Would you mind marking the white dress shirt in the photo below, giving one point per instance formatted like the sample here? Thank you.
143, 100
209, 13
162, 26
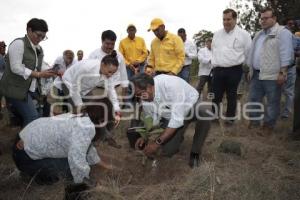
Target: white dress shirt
173, 99
190, 52
16, 51
230, 49
62, 65
83, 77
120, 77
204, 57
63, 136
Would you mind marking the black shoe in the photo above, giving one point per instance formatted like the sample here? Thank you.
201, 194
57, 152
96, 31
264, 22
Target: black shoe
194, 160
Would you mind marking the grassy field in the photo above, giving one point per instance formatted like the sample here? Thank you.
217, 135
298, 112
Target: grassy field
267, 169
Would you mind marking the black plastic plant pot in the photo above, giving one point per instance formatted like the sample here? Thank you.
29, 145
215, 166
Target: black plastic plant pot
132, 136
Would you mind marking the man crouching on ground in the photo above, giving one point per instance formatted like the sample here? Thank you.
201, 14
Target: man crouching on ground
172, 100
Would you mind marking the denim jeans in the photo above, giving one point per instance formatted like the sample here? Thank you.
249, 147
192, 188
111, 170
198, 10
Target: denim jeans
272, 91
130, 74
185, 73
289, 91
25, 108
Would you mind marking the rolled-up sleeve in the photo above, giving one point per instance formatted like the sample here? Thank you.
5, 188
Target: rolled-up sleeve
286, 47
16, 51
112, 95
92, 156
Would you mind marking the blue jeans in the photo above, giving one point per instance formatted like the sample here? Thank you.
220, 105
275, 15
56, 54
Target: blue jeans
272, 91
185, 73
130, 74
25, 108
289, 91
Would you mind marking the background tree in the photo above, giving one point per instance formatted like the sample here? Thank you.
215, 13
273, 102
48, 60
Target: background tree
248, 11
201, 36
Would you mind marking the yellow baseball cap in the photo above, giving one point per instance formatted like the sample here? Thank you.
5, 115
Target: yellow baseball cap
155, 23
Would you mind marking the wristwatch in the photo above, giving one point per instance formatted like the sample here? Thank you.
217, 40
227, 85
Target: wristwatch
158, 141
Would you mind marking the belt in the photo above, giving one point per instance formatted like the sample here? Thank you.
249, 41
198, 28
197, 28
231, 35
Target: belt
240, 65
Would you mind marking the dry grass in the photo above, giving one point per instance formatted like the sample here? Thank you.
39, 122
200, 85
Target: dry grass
268, 169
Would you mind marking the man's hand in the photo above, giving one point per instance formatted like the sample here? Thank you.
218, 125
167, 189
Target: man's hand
281, 78
139, 144
151, 148
117, 120
131, 67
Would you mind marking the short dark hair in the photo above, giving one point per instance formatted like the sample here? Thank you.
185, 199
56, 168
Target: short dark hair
98, 114
37, 25
142, 81
266, 9
111, 59
181, 30
109, 35
233, 13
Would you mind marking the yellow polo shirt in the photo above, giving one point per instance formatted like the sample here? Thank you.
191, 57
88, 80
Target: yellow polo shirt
167, 55
133, 50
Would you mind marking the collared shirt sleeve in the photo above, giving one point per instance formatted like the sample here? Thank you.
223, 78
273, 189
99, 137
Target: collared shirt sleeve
204, 57
286, 47
179, 106
180, 53
92, 156
112, 95
16, 51
71, 80
191, 50
248, 42
77, 156
151, 60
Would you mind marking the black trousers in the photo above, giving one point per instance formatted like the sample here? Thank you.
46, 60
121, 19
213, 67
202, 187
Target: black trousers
226, 79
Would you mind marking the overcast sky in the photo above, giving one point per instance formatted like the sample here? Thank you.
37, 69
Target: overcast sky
78, 24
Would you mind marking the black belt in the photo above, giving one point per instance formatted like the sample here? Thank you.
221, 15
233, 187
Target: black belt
240, 65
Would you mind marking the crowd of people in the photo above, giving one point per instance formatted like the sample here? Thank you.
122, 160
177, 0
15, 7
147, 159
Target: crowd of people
64, 108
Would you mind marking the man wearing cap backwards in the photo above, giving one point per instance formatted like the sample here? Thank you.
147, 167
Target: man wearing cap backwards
167, 50
134, 50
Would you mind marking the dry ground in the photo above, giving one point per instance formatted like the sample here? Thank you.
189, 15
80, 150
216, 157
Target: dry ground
269, 169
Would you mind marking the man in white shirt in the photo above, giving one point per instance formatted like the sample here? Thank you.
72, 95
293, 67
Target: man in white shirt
205, 67
172, 100
190, 54
108, 39
65, 61
230, 46
79, 55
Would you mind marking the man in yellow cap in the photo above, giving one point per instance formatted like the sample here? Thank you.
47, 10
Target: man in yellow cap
134, 50
167, 50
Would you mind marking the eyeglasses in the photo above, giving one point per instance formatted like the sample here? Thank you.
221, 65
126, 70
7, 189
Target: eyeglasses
41, 36
265, 18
